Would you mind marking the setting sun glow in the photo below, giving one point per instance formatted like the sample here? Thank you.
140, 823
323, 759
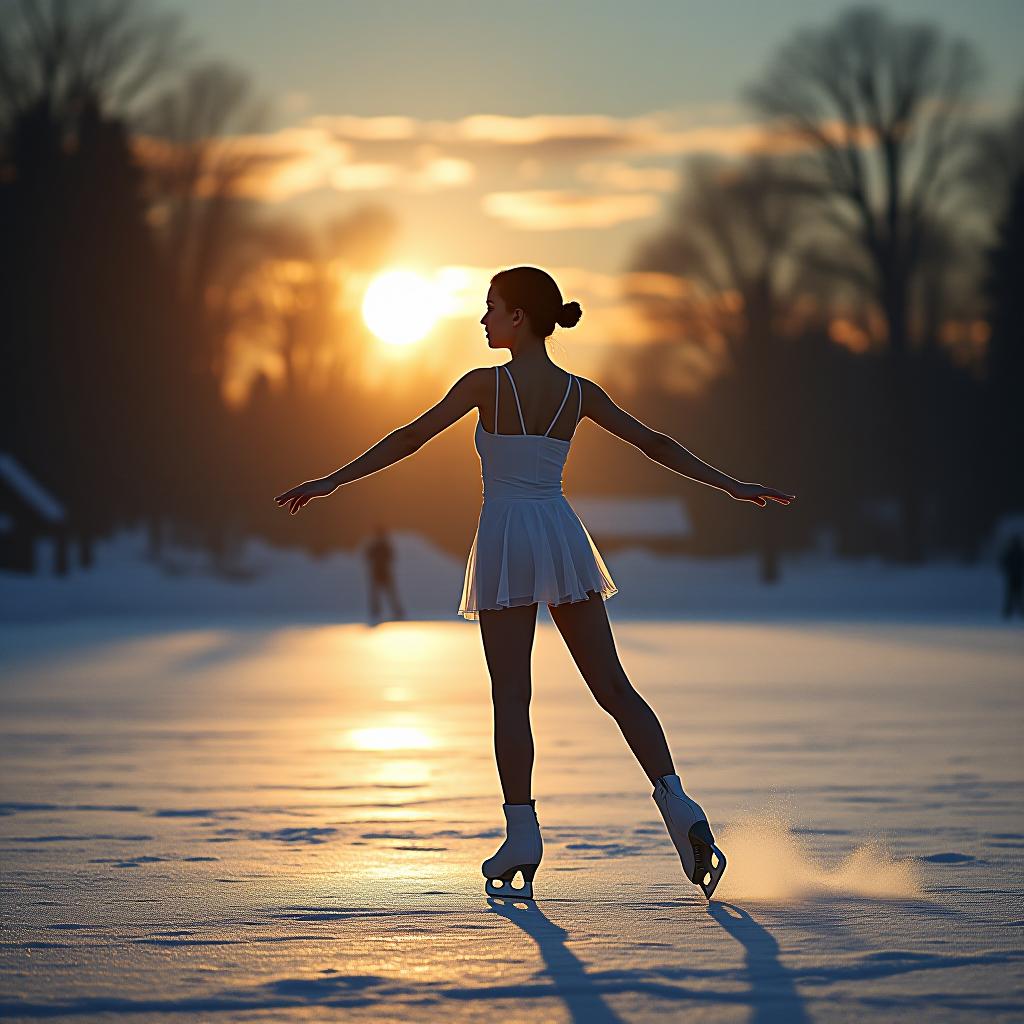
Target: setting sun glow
400, 306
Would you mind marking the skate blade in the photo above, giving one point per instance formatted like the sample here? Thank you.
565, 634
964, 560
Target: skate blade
710, 879
709, 861
501, 885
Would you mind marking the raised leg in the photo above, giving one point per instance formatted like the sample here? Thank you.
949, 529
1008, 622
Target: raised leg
588, 635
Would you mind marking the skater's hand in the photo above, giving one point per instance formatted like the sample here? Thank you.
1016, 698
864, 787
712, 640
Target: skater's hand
304, 493
758, 492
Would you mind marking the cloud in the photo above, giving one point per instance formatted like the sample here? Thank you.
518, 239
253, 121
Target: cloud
349, 153
616, 174
554, 137
552, 131
552, 210
358, 177
434, 174
438, 172
272, 167
347, 127
277, 166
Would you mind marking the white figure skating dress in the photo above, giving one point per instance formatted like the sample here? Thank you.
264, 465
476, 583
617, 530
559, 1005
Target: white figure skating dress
530, 546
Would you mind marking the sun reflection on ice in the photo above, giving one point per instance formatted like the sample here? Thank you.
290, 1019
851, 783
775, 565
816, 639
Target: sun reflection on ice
399, 773
388, 737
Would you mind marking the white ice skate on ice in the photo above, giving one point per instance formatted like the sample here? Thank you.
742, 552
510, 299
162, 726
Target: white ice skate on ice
521, 852
703, 862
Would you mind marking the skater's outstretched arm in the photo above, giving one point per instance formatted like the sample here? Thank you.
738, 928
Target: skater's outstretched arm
669, 452
464, 395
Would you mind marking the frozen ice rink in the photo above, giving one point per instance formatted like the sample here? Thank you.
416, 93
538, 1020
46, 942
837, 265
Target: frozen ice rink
237, 821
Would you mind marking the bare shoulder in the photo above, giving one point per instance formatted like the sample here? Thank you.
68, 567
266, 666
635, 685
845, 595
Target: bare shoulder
466, 394
598, 406
472, 384
594, 398
477, 381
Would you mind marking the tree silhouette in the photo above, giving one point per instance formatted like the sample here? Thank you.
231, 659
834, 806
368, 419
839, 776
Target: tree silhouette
730, 240
59, 54
1005, 358
87, 335
194, 142
881, 108
195, 168
998, 159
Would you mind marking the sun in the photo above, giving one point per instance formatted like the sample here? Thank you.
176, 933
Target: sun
400, 306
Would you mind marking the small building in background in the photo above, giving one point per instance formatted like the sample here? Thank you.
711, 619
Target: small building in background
657, 523
28, 512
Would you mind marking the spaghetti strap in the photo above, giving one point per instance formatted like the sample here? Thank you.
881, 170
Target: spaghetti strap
530, 547
562, 406
522, 422
579, 411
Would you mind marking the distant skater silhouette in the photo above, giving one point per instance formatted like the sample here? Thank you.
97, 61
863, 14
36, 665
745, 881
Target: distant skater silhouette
380, 554
1012, 562
530, 546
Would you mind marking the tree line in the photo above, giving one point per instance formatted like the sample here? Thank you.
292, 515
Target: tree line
849, 296
843, 308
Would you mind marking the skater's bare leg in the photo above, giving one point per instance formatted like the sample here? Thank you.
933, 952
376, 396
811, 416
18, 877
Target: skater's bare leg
508, 645
588, 635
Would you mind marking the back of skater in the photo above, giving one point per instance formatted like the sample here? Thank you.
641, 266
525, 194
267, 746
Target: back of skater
531, 547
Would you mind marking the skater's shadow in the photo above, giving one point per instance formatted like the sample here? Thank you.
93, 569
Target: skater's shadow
567, 974
773, 996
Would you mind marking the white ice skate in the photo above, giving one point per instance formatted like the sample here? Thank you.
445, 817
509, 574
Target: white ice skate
703, 862
521, 852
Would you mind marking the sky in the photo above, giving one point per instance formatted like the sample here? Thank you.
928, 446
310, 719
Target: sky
533, 133
540, 58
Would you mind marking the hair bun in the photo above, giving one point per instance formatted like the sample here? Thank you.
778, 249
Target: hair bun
569, 315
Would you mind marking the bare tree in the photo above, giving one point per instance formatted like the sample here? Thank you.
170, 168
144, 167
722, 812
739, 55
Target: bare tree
731, 239
999, 159
196, 154
882, 109
729, 234
1004, 356
58, 53
76, 72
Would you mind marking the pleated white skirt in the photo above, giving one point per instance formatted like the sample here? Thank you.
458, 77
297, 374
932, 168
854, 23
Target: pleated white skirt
531, 550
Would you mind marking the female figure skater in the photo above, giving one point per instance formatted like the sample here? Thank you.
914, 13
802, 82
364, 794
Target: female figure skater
530, 546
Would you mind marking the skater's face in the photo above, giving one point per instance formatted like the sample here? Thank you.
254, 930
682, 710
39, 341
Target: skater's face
501, 324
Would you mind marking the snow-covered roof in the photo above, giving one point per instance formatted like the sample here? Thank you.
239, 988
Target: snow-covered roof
29, 490
633, 517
